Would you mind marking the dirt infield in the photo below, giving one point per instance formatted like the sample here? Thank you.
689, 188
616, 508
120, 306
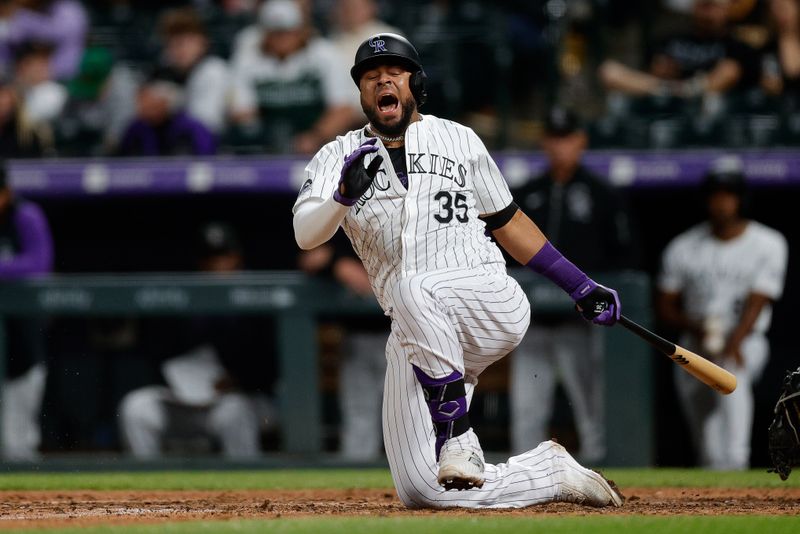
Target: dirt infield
82, 508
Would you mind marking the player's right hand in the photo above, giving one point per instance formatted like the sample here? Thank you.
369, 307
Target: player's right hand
355, 179
600, 305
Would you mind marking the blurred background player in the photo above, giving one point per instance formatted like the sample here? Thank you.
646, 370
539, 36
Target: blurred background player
26, 250
586, 218
717, 284
293, 95
217, 385
363, 360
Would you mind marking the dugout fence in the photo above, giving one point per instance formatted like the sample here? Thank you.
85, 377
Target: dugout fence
296, 302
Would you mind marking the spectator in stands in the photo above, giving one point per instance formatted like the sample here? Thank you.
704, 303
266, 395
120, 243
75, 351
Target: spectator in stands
43, 98
706, 60
247, 43
101, 104
362, 360
353, 21
26, 250
583, 214
782, 54
717, 285
162, 127
295, 91
19, 137
216, 381
63, 24
186, 61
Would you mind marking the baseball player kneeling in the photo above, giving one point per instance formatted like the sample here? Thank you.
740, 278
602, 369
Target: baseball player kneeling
416, 195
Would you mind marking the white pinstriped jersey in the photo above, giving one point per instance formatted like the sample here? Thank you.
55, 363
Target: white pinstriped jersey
432, 225
715, 276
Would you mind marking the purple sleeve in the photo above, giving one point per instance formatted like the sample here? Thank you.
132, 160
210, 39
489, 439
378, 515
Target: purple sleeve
205, 144
65, 26
551, 263
36, 244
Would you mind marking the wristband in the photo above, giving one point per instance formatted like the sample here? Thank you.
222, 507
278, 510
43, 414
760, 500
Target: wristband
550, 263
343, 200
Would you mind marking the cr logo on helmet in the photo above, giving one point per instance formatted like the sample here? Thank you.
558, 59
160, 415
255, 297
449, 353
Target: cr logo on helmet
378, 45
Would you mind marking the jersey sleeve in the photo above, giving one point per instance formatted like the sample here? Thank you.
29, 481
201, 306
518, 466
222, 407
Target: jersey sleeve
491, 189
770, 278
671, 278
321, 175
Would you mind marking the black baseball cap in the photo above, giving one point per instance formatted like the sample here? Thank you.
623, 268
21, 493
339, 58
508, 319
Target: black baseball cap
725, 173
561, 122
216, 239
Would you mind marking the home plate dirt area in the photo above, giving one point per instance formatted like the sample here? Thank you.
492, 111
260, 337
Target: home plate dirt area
79, 508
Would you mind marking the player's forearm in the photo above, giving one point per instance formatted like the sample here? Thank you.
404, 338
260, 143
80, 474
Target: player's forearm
527, 244
315, 222
670, 312
752, 309
520, 237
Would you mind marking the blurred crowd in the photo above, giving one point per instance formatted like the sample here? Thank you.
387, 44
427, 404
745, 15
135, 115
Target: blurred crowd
253, 76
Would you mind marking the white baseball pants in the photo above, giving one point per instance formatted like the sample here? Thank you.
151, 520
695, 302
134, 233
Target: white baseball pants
463, 320
721, 425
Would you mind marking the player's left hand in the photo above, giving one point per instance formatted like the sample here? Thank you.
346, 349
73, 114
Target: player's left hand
600, 305
355, 179
733, 350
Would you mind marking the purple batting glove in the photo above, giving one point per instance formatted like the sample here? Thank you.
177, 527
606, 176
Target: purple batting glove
355, 179
597, 303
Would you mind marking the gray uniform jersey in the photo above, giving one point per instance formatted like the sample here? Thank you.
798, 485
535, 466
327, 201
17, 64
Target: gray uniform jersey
432, 225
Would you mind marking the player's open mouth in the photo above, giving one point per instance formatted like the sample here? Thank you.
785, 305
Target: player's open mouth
387, 103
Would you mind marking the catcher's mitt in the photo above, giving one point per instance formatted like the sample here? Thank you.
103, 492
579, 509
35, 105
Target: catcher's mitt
784, 432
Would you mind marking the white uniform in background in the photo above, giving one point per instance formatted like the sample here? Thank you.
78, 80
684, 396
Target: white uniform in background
190, 408
363, 367
714, 278
21, 404
444, 285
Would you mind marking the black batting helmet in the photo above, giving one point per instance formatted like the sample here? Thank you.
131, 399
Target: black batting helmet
383, 48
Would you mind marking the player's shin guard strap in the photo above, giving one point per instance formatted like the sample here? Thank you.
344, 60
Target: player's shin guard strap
447, 403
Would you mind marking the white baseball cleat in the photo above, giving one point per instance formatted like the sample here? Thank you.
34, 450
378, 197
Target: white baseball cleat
459, 468
580, 485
